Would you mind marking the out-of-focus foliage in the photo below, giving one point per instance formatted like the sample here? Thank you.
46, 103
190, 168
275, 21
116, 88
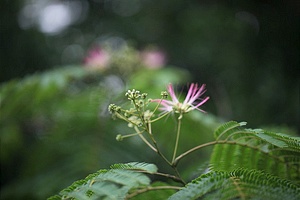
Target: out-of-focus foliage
110, 184
55, 127
246, 52
240, 184
51, 122
273, 153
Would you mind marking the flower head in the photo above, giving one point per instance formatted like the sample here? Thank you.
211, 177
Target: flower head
192, 100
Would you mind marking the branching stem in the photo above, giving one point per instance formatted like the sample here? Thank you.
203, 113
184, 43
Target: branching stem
152, 188
144, 139
178, 158
177, 137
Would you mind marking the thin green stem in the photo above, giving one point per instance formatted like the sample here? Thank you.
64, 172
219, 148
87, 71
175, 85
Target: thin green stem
130, 135
174, 178
178, 174
175, 162
162, 116
149, 129
156, 107
144, 139
125, 119
163, 157
177, 137
221, 134
137, 192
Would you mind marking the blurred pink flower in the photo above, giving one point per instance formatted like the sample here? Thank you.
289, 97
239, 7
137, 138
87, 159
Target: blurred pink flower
192, 100
153, 58
97, 58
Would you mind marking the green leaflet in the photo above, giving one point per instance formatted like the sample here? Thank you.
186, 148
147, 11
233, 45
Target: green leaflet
150, 168
274, 153
157, 194
227, 128
238, 184
281, 140
109, 184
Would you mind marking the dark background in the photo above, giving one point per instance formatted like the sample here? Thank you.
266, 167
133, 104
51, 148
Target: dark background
247, 53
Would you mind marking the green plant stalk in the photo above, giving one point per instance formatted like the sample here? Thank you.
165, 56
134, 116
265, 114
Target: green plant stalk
155, 109
163, 156
178, 158
177, 138
160, 117
130, 135
144, 139
150, 189
155, 144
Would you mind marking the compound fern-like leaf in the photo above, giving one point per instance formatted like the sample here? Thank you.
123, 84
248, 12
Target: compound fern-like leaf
238, 184
225, 129
109, 184
275, 153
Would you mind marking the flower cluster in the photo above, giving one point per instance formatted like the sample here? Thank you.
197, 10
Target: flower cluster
140, 117
135, 94
136, 115
192, 100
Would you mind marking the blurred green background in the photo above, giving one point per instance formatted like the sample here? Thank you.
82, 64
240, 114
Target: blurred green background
54, 124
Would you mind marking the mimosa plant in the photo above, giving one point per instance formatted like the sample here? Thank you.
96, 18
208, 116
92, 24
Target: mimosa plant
244, 164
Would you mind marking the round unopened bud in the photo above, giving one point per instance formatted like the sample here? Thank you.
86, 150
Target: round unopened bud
119, 137
140, 103
164, 94
112, 108
126, 114
144, 95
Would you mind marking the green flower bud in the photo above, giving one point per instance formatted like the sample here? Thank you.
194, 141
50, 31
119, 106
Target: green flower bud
132, 95
164, 94
119, 137
112, 108
144, 95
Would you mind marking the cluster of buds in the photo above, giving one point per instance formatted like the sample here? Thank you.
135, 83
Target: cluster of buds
135, 94
139, 117
113, 108
136, 115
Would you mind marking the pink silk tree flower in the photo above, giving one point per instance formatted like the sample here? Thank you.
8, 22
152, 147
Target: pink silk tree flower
97, 58
192, 100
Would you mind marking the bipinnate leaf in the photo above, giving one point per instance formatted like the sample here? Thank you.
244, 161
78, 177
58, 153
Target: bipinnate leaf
281, 140
109, 184
275, 153
238, 184
226, 128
